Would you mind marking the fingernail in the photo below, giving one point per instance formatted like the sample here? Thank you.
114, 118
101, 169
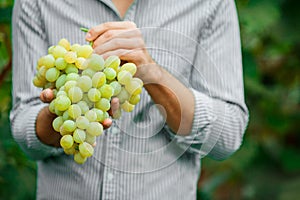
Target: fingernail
88, 36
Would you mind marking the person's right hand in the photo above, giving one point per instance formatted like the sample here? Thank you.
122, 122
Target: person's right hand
44, 129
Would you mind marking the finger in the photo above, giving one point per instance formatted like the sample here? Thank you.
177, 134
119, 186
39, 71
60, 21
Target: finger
119, 52
135, 56
47, 95
94, 145
107, 123
120, 43
116, 33
96, 31
114, 106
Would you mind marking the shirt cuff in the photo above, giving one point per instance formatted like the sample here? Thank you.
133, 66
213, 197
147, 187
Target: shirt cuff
202, 122
25, 134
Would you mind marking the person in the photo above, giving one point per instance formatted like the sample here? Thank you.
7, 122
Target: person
189, 56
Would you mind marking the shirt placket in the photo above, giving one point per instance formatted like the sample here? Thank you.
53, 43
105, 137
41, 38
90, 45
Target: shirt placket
110, 174
111, 166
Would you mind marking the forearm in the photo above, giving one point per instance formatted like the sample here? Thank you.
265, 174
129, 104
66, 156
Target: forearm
175, 98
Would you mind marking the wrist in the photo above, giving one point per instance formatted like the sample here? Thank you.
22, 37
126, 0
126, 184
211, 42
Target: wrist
150, 73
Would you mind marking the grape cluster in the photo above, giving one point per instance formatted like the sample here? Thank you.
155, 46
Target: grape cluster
83, 85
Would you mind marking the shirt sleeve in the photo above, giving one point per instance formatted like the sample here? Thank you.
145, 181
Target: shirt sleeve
29, 43
220, 115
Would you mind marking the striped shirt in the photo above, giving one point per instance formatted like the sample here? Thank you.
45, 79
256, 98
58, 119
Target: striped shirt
139, 157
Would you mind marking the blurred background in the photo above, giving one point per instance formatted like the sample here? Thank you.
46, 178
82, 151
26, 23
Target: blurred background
268, 164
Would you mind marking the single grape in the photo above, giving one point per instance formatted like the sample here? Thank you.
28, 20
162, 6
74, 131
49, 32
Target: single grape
38, 82
63, 131
134, 99
85, 51
60, 63
75, 47
94, 95
78, 158
68, 85
91, 115
82, 122
100, 115
130, 67
74, 111
39, 75
112, 62
95, 129
98, 79
107, 91
50, 49
71, 68
86, 150
70, 57
75, 94
96, 62
69, 125
59, 51
62, 103
66, 141
124, 77
85, 83
40, 62
103, 104
80, 63
60, 81
79, 136
133, 87
110, 73
116, 86
127, 107
52, 74
42, 71
52, 106
65, 43
48, 61
72, 77
57, 122
139, 81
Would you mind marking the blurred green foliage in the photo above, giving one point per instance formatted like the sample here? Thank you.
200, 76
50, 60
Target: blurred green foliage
268, 164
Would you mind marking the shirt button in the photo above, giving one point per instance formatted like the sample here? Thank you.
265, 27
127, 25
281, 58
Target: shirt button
110, 176
114, 130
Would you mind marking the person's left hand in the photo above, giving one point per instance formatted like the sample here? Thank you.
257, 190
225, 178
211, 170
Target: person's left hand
122, 39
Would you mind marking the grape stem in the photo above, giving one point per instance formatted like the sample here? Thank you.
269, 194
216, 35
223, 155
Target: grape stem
86, 30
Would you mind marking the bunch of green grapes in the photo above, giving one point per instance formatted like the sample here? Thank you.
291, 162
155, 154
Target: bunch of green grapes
83, 85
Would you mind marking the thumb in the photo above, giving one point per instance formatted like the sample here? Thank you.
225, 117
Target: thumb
47, 95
